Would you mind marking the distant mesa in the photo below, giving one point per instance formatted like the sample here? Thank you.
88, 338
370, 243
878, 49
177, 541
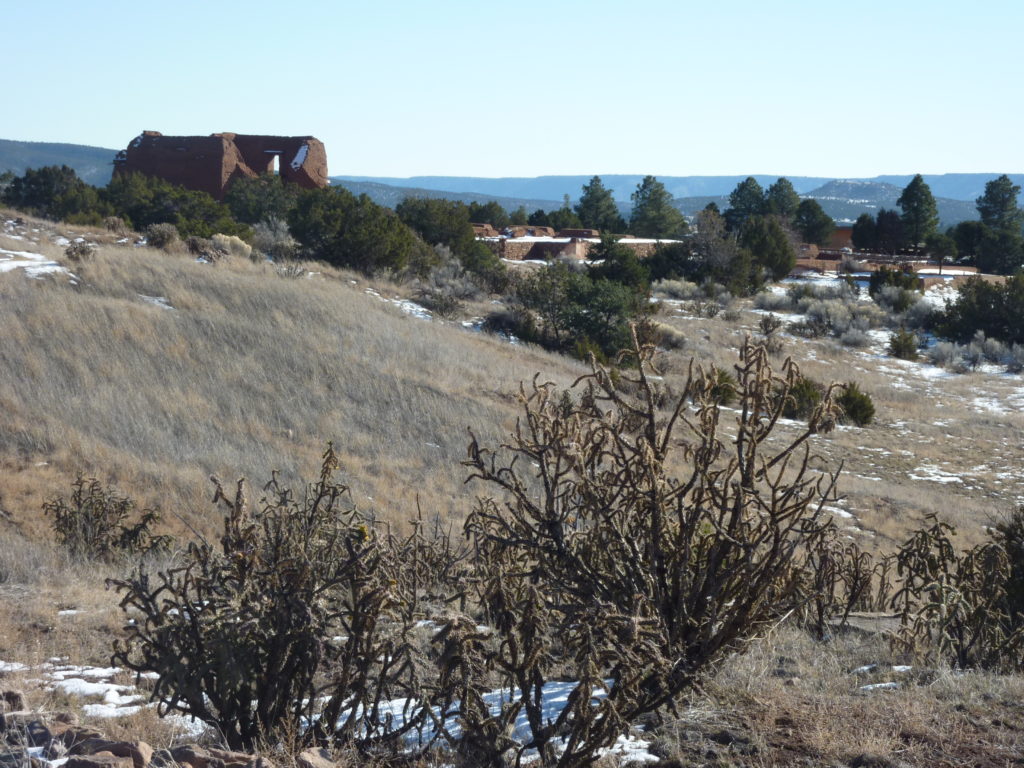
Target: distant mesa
211, 163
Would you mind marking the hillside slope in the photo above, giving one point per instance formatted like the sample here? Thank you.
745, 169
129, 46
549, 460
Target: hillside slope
155, 371
92, 164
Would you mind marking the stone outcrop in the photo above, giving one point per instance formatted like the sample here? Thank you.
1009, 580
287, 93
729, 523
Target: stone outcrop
211, 163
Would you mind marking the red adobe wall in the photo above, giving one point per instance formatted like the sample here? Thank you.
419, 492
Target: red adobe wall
211, 163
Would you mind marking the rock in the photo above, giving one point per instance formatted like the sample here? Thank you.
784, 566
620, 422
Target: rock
38, 734
12, 701
870, 760
196, 756
230, 759
139, 751
727, 737
315, 758
13, 758
73, 735
99, 760
260, 762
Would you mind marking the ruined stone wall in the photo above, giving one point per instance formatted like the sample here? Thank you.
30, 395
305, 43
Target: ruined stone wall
211, 163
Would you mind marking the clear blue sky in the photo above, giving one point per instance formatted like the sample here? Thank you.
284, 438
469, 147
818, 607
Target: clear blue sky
529, 88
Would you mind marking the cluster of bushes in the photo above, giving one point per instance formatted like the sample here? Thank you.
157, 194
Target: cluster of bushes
962, 358
828, 310
57, 193
742, 260
307, 619
805, 396
593, 563
580, 309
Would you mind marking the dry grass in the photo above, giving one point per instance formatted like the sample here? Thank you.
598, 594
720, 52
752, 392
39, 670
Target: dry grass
250, 371
928, 423
800, 702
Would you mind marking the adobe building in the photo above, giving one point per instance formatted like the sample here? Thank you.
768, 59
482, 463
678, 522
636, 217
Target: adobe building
211, 163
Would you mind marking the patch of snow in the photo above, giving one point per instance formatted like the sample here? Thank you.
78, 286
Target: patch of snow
76, 686
838, 511
933, 474
990, 404
880, 686
156, 301
12, 666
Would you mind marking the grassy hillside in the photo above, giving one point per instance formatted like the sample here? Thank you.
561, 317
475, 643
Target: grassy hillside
247, 371
152, 370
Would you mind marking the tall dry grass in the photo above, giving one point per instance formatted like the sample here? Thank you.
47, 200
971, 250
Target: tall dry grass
248, 371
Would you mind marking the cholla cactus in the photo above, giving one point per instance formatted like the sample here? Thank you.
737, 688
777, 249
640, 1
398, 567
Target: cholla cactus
635, 543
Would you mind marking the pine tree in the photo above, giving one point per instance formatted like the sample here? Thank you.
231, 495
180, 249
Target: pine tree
653, 214
745, 201
597, 209
865, 233
998, 206
920, 216
782, 199
764, 237
813, 224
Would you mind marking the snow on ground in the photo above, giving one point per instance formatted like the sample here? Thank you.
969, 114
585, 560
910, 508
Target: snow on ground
408, 307
934, 474
106, 699
34, 264
156, 301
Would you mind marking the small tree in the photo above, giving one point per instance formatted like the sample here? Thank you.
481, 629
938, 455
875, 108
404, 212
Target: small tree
653, 213
903, 344
813, 224
998, 207
597, 209
920, 214
781, 199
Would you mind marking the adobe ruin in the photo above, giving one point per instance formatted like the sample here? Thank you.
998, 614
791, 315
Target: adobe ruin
211, 163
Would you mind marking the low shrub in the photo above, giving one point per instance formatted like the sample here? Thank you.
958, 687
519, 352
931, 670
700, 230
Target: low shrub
440, 303
117, 225
903, 345
682, 290
855, 338
944, 354
272, 239
769, 324
302, 615
96, 521
78, 252
774, 302
804, 396
856, 406
232, 245
895, 299
1015, 358
162, 236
